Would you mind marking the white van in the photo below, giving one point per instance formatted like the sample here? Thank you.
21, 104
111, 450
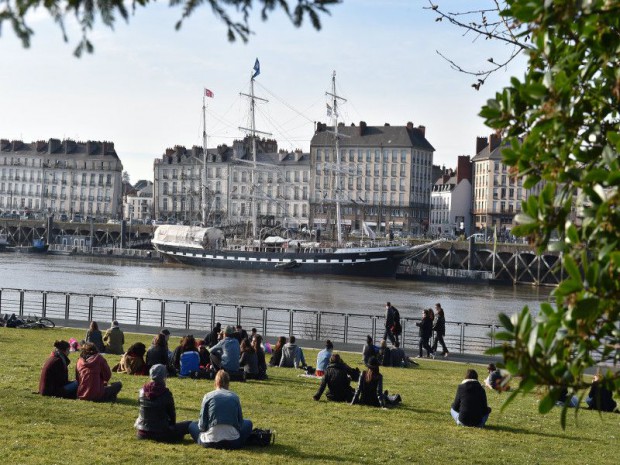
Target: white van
478, 237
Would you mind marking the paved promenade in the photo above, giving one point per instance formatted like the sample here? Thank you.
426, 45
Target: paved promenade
304, 343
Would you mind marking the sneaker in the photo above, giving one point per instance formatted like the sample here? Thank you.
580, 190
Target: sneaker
433, 356
445, 355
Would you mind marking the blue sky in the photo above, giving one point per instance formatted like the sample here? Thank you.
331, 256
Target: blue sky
142, 88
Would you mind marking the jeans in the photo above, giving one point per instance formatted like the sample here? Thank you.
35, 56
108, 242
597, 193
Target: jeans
244, 434
71, 389
424, 344
455, 415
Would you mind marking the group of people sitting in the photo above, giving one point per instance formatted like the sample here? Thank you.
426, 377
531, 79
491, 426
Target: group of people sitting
226, 353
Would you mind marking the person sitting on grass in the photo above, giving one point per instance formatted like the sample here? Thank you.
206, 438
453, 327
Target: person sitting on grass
398, 358
157, 417
114, 340
322, 358
292, 355
55, 374
337, 379
370, 388
221, 424
276, 354
470, 406
158, 354
132, 362
257, 343
384, 354
496, 380
93, 374
185, 357
94, 335
599, 397
225, 354
248, 360
369, 350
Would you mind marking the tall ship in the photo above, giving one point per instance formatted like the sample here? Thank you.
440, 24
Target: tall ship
209, 247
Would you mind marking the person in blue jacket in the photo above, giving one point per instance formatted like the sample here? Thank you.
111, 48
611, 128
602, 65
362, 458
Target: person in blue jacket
322, 359
221, 424
226, 353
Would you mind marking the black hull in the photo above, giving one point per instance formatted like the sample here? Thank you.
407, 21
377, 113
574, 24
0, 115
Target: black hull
379, 262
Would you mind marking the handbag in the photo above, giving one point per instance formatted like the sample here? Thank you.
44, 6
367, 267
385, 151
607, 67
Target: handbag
261, 437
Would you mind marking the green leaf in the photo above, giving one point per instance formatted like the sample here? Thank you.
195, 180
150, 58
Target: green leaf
546, 404
571, 267
505, 321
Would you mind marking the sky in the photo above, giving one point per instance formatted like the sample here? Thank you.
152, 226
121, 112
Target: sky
143, 87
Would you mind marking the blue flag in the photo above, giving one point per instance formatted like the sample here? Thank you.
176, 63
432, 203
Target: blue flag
256, 69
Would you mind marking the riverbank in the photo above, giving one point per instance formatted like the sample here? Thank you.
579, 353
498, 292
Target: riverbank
306, 431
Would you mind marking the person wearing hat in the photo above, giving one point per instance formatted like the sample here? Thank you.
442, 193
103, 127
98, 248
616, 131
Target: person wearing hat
157, 417
370, 387
226, 353
212, 337
114, 340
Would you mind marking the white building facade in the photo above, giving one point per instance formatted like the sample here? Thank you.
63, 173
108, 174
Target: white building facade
61, 177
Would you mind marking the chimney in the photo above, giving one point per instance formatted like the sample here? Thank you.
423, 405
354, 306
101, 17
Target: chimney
422, 130
69, 146
41, 146
386, 125
495, 140
463, 168
362, 128
481, 143
53, 146
409, 126
298, 154
282, 155
108, 148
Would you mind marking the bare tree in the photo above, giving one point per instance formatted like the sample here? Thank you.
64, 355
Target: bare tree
485, 24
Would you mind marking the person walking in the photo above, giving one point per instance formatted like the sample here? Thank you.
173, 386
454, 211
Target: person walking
392, 323
425, 333
439, 327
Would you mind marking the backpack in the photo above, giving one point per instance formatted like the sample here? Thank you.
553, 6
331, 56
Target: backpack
397, 329
261, 437
190, 362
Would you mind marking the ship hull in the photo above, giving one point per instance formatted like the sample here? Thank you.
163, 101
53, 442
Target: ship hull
367, 262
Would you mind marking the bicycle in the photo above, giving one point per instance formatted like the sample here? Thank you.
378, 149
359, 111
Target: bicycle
28, 323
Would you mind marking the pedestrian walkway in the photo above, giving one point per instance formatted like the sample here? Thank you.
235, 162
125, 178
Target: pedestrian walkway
304, 343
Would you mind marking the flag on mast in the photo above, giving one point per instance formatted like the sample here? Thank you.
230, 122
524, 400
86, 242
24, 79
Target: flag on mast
329, 110
256, 69
208, 93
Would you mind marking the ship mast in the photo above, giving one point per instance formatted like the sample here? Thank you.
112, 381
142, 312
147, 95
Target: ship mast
335, 99
203, 193
253, 132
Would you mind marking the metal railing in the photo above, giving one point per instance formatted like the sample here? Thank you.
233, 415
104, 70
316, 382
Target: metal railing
200, 317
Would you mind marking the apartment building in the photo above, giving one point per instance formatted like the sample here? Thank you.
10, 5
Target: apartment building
279, 185
450, 214
138, 205
61, 177
497, 192
385, 177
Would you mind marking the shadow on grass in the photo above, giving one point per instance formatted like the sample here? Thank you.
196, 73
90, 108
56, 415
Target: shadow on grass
512, 429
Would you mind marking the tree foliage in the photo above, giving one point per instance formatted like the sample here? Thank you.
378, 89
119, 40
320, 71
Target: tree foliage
235, 14
561, 124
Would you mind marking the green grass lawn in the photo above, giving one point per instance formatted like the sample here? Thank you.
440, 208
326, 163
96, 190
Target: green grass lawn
45, 430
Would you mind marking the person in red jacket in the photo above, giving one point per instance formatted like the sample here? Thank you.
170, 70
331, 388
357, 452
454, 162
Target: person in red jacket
92, 374
55, 374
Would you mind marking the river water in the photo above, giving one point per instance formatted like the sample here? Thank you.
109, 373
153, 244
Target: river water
472, 303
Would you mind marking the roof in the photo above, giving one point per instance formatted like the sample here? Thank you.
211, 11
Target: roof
56, 147
373, 136
488, 154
